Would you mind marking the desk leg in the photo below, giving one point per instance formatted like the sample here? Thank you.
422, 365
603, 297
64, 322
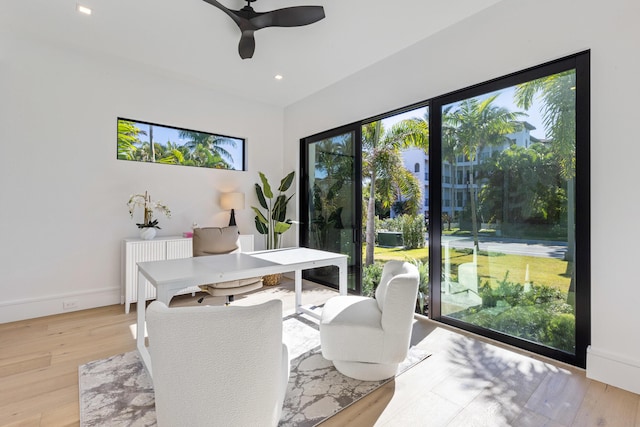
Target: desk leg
342, 287
140, 326
342, 281
298, 287
299, 308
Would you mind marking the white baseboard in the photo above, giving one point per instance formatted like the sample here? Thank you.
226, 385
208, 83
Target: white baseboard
613, 369
29, 308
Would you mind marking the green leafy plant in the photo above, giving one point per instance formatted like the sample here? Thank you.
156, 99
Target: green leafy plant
538, 314
371, 275
273, 222
422, 303
413, 231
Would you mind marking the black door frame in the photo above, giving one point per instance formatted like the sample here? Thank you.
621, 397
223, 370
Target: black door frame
581, 63
306, 197
582, 261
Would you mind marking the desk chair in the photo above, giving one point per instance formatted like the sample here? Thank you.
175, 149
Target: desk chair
216, 241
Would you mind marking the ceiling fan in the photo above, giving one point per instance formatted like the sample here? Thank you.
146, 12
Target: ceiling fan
250, 21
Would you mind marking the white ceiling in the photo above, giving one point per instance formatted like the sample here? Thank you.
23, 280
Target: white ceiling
192, 40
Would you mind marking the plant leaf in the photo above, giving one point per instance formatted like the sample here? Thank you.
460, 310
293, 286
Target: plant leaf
281, 227
280, 208
286, 182
265, 184
259, 216
262, 229
261, 199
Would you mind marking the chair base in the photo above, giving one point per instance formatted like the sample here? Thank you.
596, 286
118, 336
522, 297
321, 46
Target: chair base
366, 371
228, 300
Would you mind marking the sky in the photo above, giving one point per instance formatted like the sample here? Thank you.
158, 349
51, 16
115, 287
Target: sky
505, 99
533, 116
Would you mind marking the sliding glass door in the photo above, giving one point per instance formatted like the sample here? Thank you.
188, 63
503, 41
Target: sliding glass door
330, 204
501, 172
509, 159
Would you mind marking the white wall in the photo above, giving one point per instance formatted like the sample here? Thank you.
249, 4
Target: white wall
63, 193
494, 43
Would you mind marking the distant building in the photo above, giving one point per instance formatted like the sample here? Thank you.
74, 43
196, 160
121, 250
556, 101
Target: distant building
417, 161
455, 176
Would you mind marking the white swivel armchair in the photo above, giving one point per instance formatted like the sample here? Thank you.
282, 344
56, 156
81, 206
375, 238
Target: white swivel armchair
367, 338
217, 365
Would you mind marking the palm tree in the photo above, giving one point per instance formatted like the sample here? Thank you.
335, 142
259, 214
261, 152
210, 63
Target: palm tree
479, 124
214, 144
334, 174
450, 151
127, 139
413, 132
559, 117
558, 113
522, 183
151, 144
171, 154
146, 152
384, 170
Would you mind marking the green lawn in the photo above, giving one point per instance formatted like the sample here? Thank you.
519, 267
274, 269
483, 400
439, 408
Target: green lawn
542, 271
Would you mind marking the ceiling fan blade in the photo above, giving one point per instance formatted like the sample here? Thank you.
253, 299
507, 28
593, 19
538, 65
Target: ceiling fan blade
232, 13
295, 16
250, 21
247, 44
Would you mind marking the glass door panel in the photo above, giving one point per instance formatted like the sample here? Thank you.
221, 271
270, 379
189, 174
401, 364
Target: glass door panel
330, 209
508, 197
395, 186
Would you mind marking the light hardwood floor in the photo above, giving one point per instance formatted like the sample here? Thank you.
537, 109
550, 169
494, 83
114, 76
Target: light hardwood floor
468, 381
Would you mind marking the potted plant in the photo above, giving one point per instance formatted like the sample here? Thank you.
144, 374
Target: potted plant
273, 221
148, 225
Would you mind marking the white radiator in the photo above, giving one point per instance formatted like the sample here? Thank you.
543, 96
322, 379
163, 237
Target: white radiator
182, 248
136, 250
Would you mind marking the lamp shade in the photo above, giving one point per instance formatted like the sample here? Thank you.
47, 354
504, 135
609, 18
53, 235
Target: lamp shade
232, 201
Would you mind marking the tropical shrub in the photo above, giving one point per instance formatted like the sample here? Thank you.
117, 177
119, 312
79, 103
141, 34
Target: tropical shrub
422, 303
561, 331
371, 275
388, 224
413, 231
539, 313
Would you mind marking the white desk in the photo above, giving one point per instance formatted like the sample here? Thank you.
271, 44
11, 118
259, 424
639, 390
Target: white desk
171, 276
160, 248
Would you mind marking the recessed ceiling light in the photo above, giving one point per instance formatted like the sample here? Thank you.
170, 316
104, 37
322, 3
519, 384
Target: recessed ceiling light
278, 77
83, 9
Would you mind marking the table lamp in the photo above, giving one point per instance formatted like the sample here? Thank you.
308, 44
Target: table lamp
232, 201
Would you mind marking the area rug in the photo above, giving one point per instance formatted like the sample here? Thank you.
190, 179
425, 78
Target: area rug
117, 391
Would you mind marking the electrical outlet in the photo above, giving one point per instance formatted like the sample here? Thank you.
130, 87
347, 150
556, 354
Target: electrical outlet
70, 304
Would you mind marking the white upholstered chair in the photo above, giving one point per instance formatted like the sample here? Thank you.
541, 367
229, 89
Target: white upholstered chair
217, 365
216, 241
367, 338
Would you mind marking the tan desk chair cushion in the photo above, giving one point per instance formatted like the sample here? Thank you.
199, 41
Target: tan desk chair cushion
217, 241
